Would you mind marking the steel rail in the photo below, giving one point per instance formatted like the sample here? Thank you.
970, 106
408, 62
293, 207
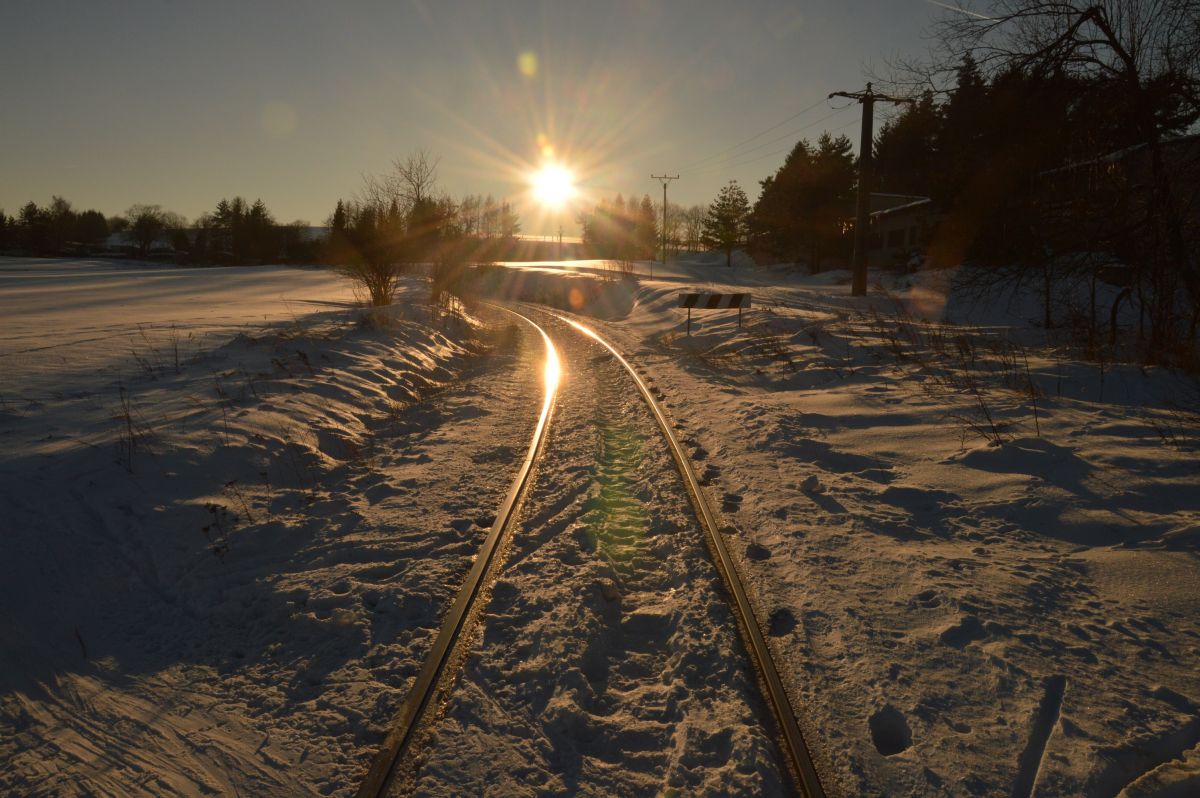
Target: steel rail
408, 719
803, 769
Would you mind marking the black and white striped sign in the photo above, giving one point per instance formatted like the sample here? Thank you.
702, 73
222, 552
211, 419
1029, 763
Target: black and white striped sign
714, 301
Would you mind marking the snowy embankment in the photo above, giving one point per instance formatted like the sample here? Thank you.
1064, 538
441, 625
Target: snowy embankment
973, 582
229, 538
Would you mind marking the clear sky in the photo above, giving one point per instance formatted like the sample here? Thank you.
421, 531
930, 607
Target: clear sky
182, 103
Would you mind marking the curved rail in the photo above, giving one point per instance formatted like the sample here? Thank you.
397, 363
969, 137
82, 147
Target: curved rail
797, 750
408, 719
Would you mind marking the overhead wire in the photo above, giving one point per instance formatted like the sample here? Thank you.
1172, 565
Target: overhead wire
776, 126
785, 136
735, 163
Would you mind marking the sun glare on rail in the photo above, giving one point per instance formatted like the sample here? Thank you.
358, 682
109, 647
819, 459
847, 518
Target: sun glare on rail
553, 371
553, 185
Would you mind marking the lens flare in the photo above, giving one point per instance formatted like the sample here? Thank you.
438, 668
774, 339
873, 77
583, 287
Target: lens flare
553, 185
527, 63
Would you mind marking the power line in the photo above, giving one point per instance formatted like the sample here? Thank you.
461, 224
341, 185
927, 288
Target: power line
725, 165
776, 126
788, 135
665, 178
867, 99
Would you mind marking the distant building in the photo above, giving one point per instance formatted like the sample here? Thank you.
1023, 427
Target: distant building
901, 228
900, 233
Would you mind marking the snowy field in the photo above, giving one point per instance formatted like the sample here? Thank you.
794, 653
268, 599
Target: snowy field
233, 515
64, 324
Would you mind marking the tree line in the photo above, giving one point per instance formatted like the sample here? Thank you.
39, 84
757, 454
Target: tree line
235, 231
1062, 148
1057, 143
56, 228
1051, 137
628, 230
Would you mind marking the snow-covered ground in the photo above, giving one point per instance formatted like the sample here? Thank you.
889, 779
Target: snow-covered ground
609, 660
975, 553
221, 572
933, 583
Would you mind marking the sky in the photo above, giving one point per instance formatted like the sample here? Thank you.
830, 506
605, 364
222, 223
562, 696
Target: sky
180, 104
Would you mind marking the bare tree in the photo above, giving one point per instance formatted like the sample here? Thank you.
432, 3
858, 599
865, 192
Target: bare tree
415, 178
399, 220
146, 224
693, 226
411, 181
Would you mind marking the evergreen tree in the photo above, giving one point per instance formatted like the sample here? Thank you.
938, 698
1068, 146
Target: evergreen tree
91, 228
776, 223
618, 230
799, 213
725, 222
338, 247
510, 222
33, 228
645, 231
258, 233
490, 223
60, 221
960, 140
237, 223
905, 158
221, 221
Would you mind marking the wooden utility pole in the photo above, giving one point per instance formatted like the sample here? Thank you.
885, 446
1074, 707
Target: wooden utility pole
665, 180
862, 210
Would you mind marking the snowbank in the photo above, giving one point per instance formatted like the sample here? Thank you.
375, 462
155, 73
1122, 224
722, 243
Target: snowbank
223, 568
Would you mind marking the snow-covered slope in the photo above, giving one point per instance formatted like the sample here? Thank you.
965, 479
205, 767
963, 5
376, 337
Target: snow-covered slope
221, 572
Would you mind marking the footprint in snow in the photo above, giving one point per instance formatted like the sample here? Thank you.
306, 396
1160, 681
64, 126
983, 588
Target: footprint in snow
757, 553
890, 731
960, 634
928, 599
782, 622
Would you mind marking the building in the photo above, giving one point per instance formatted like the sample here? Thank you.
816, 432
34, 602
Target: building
900, 233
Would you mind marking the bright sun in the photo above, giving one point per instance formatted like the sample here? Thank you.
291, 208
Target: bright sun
553, 185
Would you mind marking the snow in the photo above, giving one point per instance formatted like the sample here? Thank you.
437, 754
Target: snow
973, 552
226, 590
930, 580
608, 661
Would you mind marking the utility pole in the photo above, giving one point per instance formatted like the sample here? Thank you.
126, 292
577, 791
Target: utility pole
665, 180
858, 286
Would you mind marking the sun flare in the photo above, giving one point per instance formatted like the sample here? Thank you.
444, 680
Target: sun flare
553, 185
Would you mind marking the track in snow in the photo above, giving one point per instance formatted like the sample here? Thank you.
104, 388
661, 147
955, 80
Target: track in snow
609, 660
445, 649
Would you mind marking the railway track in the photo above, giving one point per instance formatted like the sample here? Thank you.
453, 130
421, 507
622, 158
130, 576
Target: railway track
612, 517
